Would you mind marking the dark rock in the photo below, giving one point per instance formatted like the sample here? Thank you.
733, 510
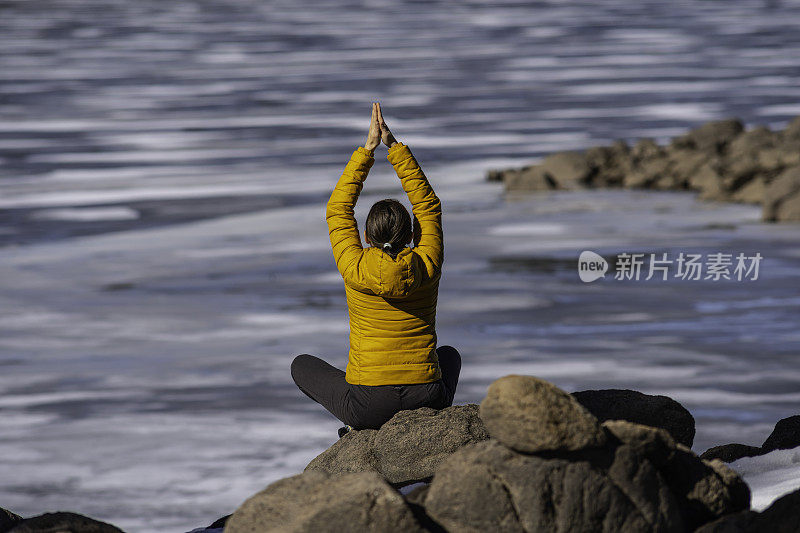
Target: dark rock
729, 453
219, 522
489, 487
319, 503
786, 435
530, 415
8, 519
63, 522
782, 197
783, 516
633, 406
408, 447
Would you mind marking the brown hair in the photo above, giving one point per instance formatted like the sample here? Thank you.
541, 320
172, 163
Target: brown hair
389, 226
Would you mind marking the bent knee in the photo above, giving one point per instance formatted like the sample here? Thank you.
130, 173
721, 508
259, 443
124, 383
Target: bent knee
298, 363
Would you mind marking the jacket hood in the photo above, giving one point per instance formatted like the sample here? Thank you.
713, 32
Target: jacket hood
392, 278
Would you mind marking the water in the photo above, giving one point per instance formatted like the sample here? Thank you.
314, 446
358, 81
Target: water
145, 339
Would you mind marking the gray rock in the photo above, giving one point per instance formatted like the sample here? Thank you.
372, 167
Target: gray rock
489, 487
786, 435
319, 503
729, 453
408, 447
633, 406
531, 415
63, 522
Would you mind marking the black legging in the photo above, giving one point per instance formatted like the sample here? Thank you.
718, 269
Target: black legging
370, 406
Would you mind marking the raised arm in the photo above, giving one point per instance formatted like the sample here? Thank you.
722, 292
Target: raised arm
339, 214
427, 209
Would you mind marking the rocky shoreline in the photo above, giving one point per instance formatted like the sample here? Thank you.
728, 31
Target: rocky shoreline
531, 457
720, 160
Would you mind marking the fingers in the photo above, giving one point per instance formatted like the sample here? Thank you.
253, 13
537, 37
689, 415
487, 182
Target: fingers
380, 117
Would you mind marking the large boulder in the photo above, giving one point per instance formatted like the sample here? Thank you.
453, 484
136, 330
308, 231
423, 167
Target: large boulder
633, 406
63, 522
489, 487
408, 447
786, 435
315, 502
704, 490
530, 415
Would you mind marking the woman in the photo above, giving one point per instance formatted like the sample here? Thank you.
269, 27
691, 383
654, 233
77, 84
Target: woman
391, 290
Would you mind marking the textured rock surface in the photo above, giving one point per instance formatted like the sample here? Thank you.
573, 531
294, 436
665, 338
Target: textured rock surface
408, 447
705, 490
530, 415
633, 406
489, 487
319, 503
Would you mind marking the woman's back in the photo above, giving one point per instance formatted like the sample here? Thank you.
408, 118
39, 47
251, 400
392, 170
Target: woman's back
391, 301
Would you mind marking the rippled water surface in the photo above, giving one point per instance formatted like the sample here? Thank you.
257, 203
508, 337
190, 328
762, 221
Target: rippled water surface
164, 168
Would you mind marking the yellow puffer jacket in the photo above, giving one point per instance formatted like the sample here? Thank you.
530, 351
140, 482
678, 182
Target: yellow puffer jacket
392, 302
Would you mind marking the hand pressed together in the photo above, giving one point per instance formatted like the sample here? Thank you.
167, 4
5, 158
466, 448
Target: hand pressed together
378, 130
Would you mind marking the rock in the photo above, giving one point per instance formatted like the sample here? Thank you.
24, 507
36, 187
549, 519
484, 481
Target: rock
711, 137
531, 415
752, 192
489, 487
704, 490
63, 522
792, 131
633, 406
569, 170
647, 173
316, 502
8, 519
708, 180
731, 452
782, 197
609, 164
786, 435
530, 178
408, 447
783, 516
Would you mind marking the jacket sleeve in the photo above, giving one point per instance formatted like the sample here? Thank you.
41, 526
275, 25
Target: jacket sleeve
342, 225
427, 209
